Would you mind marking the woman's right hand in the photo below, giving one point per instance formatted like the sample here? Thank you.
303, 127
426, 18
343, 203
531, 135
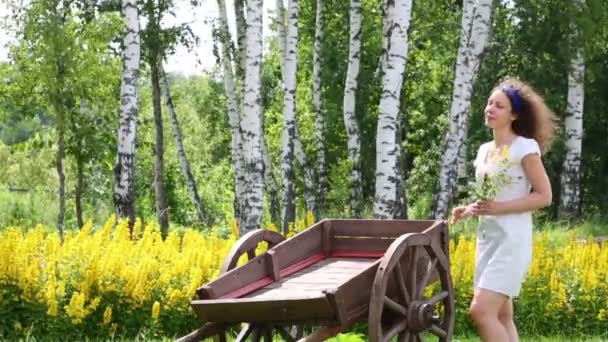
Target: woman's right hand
461, 212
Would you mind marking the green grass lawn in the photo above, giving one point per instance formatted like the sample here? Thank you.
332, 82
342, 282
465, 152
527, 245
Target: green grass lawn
540, 339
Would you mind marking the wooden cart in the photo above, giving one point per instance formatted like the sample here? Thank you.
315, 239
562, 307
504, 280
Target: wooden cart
393, 274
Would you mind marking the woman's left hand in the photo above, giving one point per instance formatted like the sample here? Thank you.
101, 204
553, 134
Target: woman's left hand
488, 207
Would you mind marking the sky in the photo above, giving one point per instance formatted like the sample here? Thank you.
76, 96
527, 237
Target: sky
183, 61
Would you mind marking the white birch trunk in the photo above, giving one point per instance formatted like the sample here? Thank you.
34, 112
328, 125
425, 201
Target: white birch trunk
386, 24
271, 188
462, 169
569, 206
124, 194
289, 115
282, 34
386, 150
475, 32
401, 199
251, 123
317, 102
181, 152
241, 32
348, 109
234, 114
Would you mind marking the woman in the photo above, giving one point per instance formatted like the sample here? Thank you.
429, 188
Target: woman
523, 128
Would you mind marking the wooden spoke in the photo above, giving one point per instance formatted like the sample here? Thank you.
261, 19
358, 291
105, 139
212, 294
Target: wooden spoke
256, 333
207, 330
436, 298
425, 279
267, 333
244, 332
394, 330
438, 331
284, 334
406, 314
398, 308
400, 278
251, 254
413, 271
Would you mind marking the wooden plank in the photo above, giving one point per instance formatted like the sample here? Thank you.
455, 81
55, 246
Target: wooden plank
311, 260
257, 310
273, 265
378, 228
326, 238
310, 286
340, 263
248, 288
237, 278
357, 254
299, 247
356, 293
360, 244
336, 300
289, 293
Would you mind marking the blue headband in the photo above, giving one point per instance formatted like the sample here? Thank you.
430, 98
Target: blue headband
512, 92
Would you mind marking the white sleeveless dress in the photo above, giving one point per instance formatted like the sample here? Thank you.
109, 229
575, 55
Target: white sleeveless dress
504, 242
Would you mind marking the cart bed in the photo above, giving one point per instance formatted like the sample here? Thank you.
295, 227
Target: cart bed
314, 280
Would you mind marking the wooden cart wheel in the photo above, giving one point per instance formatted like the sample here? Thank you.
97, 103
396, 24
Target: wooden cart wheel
260, 331
248, 244
399, 305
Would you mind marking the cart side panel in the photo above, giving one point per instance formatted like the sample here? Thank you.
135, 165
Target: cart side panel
352, 297
253, 271
263, 268
340, 244
300, 247
438, 233
270, 310
378, 228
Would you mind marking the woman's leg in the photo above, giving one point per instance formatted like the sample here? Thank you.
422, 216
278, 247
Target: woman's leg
484, 311
505, 316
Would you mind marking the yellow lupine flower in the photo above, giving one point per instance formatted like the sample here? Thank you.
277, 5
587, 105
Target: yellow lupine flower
107, 315
155, 310
310, 218
234, 229
75, 309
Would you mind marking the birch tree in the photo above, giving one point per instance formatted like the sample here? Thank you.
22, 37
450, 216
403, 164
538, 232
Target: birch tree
569, 205
181, 152
474, 36
124, 194
317, 61
348, 109
234, 111
251, 123
289, 68
399, 15
401, 167
241, 31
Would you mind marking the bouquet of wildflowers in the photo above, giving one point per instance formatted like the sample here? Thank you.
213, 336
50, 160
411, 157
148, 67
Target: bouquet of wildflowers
491, 182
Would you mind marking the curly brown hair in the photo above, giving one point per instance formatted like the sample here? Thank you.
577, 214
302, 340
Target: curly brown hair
534, 120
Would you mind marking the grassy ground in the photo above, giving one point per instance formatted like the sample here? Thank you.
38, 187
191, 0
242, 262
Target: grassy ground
540, 339
559, 231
